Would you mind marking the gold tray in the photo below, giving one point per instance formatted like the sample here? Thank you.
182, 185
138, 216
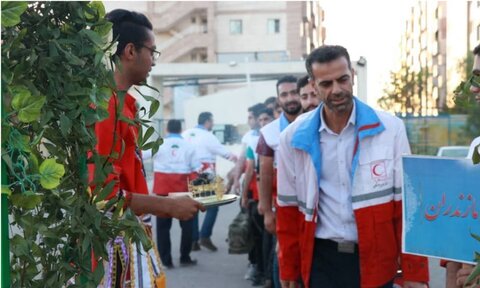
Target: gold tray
212, 201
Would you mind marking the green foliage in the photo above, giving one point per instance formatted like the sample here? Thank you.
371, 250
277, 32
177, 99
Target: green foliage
465, 100
465, 104
55, 86
50, 173
27, 107
403, 96
11, 12
475, 276
476, 156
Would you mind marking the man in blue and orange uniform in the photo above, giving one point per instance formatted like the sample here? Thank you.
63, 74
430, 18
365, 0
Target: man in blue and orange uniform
339, 214
289, 101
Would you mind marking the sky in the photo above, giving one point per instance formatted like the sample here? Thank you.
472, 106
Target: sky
372, 29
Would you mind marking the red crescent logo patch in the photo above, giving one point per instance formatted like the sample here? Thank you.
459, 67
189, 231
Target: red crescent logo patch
378, 170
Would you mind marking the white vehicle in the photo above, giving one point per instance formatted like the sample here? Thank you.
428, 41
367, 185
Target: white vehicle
453, 151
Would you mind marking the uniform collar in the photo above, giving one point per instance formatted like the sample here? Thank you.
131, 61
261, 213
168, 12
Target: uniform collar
323, 123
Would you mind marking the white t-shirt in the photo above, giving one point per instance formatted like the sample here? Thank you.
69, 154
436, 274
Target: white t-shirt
176, 156
207, 146
250, 139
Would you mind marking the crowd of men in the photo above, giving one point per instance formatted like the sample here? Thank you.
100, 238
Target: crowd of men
319, 217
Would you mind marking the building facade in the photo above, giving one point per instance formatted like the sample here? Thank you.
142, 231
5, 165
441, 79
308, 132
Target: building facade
226, 32
438, 37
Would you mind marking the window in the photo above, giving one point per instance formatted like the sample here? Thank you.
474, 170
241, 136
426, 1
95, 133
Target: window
236, 27
273, 26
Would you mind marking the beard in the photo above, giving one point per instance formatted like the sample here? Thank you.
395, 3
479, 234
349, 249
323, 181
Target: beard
341, 102
292, 107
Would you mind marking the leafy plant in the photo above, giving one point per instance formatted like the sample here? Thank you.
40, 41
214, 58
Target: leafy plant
405, 90
55, 87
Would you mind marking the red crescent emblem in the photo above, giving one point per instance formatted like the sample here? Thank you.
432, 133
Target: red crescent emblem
378, 170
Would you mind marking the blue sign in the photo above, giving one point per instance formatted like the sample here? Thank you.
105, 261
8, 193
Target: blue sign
441, 207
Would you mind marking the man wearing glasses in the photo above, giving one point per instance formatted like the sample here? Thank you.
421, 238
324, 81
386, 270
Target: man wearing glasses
136, 53
117, 139
155, 54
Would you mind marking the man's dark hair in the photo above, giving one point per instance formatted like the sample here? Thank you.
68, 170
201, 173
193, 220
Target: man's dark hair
476, 50
255, 109
128, 27
174, 126
204, 117
267, 111
302, 82
270, 100
325, 54
286, 79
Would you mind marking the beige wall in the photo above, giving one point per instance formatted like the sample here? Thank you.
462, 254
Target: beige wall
140, 6
254, 36
249, 6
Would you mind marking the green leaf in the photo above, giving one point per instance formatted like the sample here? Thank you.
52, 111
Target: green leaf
65, 125
149, 145
71, 58
140, 136
126, 120
103, 29
27, 106
476, 155
157, 145
99, 7
37, 138
52, 50
50, 173
20, 142
87, 243
28, 200
7, 75
6, 190
475, 274
98, 273
477, 237
33, 163
11, 12
92, 36
120, 204
153, 108
105, 191
98, 58
19, 246
148, 133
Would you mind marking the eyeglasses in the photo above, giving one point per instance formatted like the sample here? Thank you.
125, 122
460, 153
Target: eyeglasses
474, 81
155, 54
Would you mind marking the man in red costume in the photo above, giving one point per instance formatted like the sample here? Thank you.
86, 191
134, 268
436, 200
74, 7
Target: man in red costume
136, 54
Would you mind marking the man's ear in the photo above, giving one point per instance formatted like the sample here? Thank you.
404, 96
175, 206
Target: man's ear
130, 51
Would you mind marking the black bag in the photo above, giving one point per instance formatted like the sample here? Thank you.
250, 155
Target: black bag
240, 239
